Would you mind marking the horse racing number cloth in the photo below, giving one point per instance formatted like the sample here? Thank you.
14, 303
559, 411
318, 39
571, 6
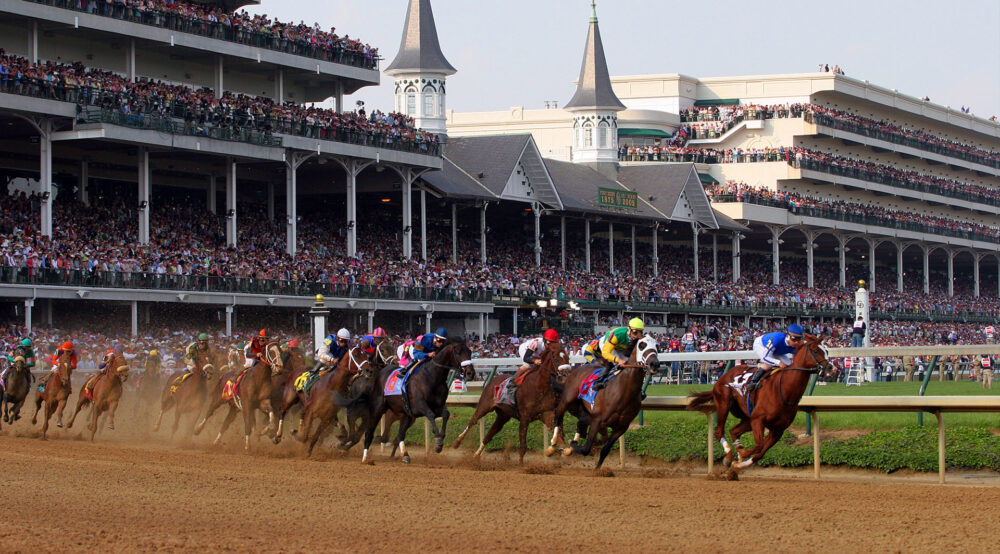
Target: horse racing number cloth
587, 392
393, 385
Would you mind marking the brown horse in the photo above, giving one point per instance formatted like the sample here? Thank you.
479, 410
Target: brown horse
15, 387
614, 407
285, 394
105, 392
320, 405
535, 399
775, 404
186, 396
250, 390
57, 391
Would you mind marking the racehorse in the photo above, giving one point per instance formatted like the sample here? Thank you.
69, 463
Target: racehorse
57, 390
186, 394
284, 395
427, 390
774, 408
248, 391
104, 394
614, 406
320, 405
535, 399
15, 387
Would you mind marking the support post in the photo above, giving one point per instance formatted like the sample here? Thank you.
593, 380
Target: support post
927, 270
842, 251
515, 321
28, 305
230, 202
454, 233
941, 461
423, 224
899, 266
871, 265
694, 249
775, 261
291, 204
715, 258
408, 213
611, 248
279, 86
976, 257
270, 201
586, 244
135, 318
319, 315
810, 259
353, 168
427, 322
951, 272
482, 233
210, 194
229, 321
633, 250
562, 242
656, 250
371, 320
816, 454
536, 210
130, 60
45, 171
711, 444
83, 194
33, 42
736, 255
144, 194
218, 75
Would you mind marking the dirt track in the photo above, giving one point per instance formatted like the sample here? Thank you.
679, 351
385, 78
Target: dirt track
129, 492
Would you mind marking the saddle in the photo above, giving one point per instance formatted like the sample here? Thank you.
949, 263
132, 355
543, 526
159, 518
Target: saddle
503, 394
307, 379
179, 380
232, 386
88, 387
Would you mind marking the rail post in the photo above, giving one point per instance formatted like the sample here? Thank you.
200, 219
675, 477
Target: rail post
711, 443
815, 434
923, 386
427, 436
621, 451
809, 391
941, 466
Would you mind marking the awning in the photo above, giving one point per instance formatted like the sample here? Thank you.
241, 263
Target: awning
718, 102
707, 179
656, 133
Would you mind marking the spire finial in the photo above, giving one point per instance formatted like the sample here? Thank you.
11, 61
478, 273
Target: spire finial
593, 11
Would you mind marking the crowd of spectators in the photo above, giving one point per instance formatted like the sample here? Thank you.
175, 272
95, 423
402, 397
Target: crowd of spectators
213, 21
850, 211
156, 104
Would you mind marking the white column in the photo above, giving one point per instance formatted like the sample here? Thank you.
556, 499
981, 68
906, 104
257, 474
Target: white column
871, 265
407, 214
482, 233
454, 233
515, 321
33, 42
736, 256
715, 258
927, 270
951, 272
482, 326
810, 261
28, 305
423, 224
976, 257
135, 318
694, 248
130, 60
291, 206
352, 207
842, 250
899, 266
230, 202
537, 212
210, 194
371, 320
279, 86
229, 321
144, 194
775, 259
611, 247
218, 75
562, 242
586, 243
656, 249
427, 322
45, 173
633, 250
270, 201
83, 195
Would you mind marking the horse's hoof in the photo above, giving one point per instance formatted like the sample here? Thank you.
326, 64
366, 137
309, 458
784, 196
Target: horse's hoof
112, 427
406, 458
568, 451
727, 462
59, 425
276, 439
550, 451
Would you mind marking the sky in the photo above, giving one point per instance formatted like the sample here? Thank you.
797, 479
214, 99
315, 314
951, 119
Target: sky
524, 52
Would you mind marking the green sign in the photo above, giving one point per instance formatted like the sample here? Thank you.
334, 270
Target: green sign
614, 198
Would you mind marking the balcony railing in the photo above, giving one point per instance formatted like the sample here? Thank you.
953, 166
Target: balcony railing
852, 217
230, 285
264, 38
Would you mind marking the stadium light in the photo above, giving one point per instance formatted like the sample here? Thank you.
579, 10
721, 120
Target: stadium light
553, 302
541, 303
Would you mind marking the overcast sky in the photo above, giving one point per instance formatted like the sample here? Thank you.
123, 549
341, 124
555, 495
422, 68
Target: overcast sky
524, 52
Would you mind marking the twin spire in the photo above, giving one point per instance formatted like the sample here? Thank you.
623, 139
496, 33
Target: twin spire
419, 51
593, 89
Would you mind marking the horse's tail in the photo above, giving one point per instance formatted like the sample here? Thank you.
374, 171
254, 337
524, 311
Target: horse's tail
356, 395
701, 402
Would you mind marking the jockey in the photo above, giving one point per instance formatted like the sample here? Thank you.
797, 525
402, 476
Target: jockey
54, 360
332, 350
531, 354
193, 351
423, 348
617, 346
29, 356
253, 349
774, 349
108, 356
592, 351
380, 335
153, 363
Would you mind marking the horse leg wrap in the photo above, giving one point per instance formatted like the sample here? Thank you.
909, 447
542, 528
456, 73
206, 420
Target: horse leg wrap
725, 445
364, 456
555, 436
746, 463
402, 447
479, 451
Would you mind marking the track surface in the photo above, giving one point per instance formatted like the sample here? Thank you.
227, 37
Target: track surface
131, 491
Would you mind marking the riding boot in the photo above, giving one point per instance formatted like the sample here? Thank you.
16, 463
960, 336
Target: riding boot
599, 382
755, 380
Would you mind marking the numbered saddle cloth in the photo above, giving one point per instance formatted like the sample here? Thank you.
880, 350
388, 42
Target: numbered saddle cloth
503, 394
232, 386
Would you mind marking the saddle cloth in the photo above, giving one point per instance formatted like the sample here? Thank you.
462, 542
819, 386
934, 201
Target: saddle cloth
88, 387
232, 386
307, 379
502, 393
739, 383
587, 392
178, 381
393, 385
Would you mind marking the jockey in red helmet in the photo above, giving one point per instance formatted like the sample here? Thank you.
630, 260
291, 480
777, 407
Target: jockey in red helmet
531, 355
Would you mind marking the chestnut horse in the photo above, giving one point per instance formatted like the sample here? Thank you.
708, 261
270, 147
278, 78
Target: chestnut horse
104, 393
283, 393
775, 406
427, 391
535, 398
320, 405
189, 395
57, 391
614, 407
16, 385
251, 393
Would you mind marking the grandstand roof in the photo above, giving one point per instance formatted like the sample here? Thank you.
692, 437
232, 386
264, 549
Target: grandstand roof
593, 89
675, 190
579, 189
419, 49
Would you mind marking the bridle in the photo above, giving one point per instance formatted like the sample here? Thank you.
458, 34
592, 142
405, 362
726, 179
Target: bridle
359, 365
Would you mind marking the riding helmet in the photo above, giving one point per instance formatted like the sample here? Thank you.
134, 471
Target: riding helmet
203, 336
795, 329
344, 334
67, 346
378, 332
26, 343
441, 333
636, 324
551, 335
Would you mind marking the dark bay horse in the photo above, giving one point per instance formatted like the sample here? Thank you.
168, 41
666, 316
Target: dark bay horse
535, 398
614, 407
284, 396
250, 393
187, 396
777, 401
57, 391
428, 393
105, 393
16, 385
320, 404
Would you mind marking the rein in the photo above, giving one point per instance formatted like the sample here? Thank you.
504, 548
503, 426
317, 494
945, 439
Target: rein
810, 370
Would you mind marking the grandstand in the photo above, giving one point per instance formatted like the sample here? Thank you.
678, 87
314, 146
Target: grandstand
166, 158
